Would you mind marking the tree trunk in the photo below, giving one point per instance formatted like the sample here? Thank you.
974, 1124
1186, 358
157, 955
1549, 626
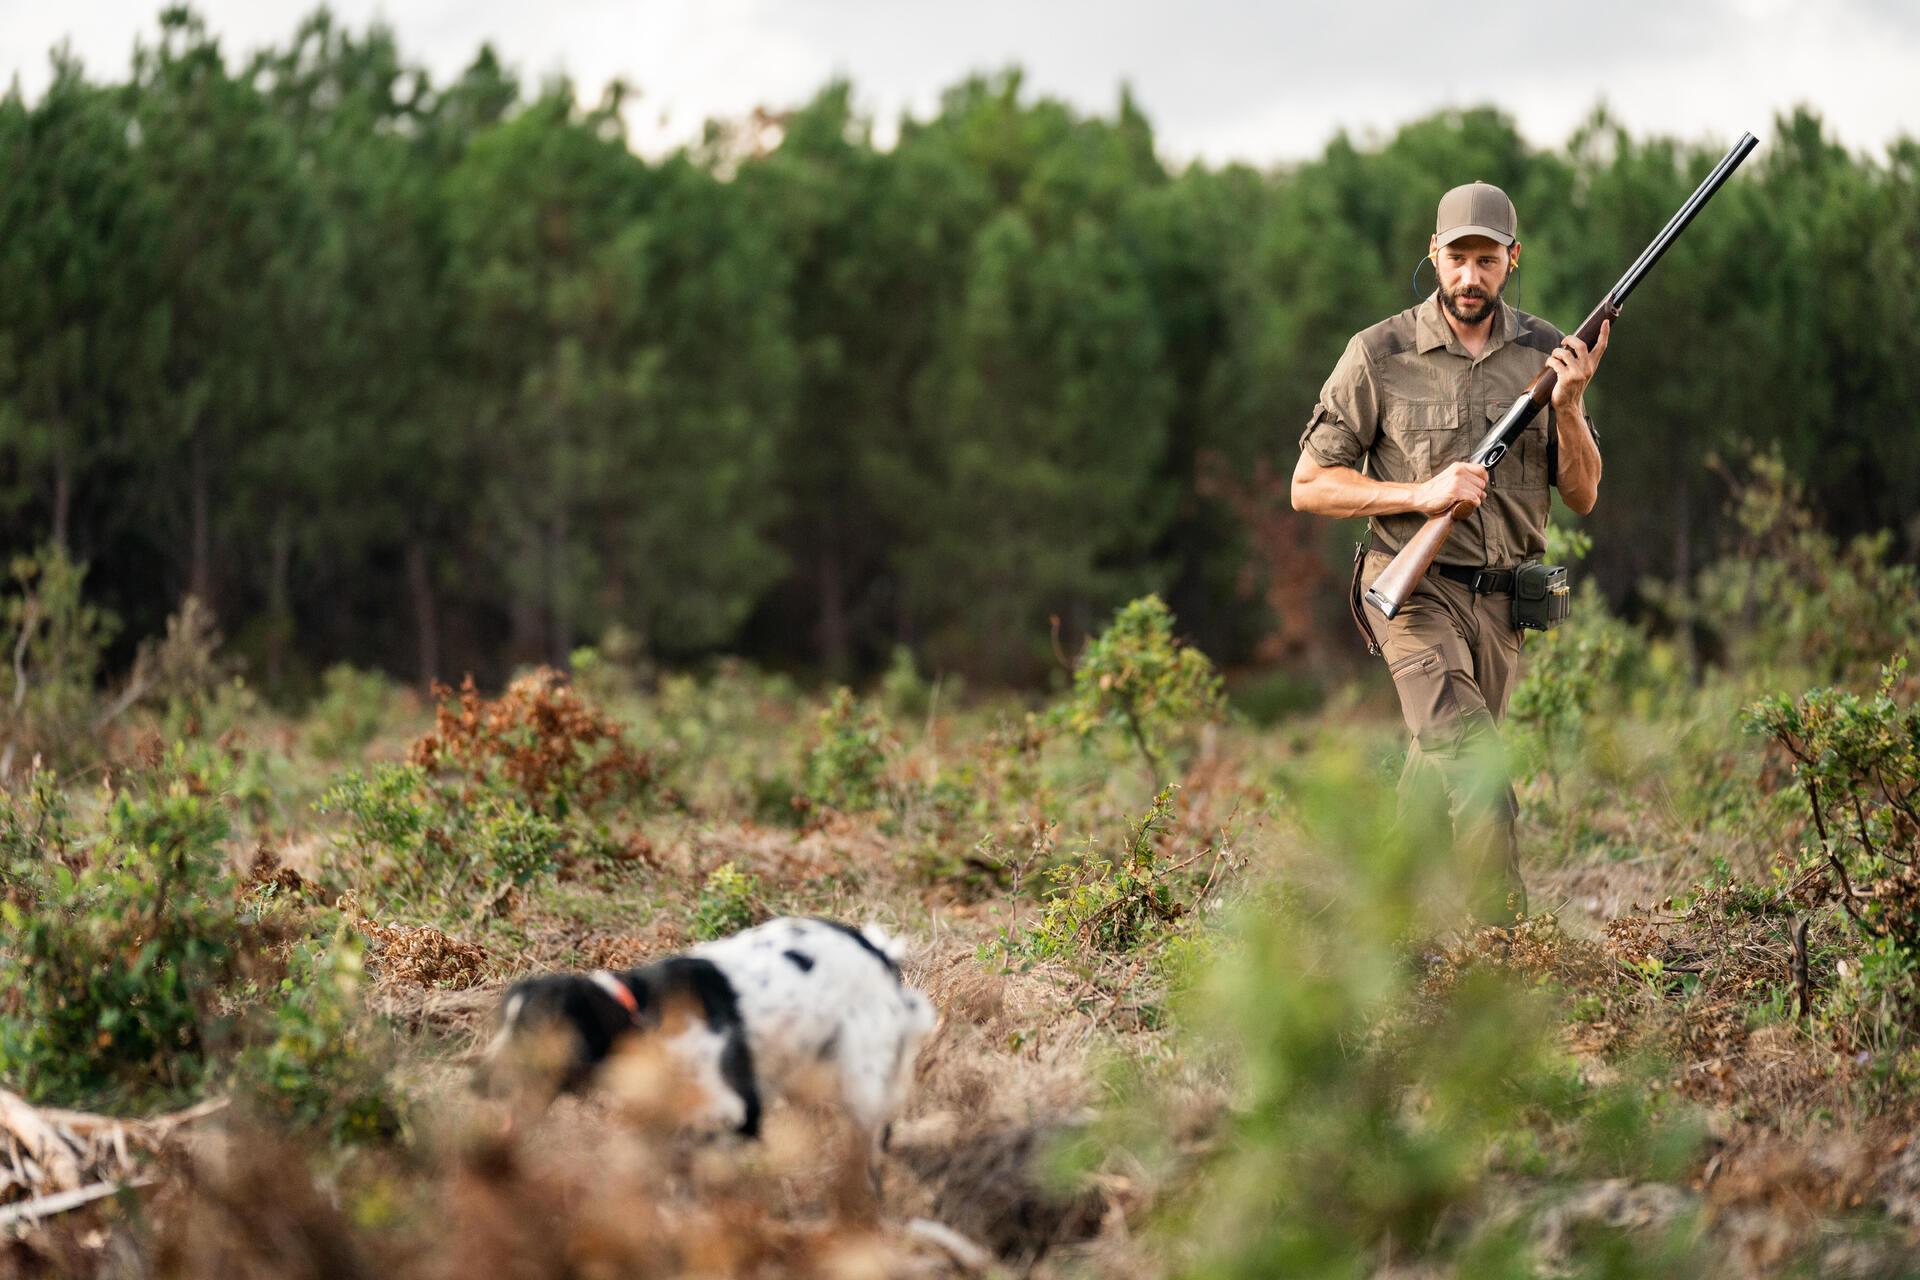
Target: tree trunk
1682, 530
559, 593
200, 573
62, 493
528, 613
426, 630
833, 613
279, 596
1683, 565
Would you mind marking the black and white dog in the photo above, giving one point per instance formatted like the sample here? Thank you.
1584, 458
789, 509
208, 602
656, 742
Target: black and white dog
744, 1019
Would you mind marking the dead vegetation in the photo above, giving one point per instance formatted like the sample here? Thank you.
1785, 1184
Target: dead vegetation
1070, 1105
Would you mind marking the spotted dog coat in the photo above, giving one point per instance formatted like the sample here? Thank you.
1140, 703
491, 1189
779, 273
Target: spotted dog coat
785, 999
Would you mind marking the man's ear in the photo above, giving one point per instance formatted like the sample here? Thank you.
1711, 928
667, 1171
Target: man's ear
1513, 257
1433, 248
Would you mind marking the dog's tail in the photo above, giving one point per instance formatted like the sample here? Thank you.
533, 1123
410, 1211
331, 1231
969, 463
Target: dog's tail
883, 941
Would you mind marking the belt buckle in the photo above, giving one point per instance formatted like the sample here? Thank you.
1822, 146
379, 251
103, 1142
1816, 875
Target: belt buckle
1482, 582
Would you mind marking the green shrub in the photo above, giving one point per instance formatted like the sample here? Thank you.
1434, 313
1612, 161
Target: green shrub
444, 851
52, 642
1571, 673
1136, 677
1098, 905
1792, 597
1857, 762
35, 835
316, 1060
1373, 1115
108, 984
729, 901
846, 769
351, 709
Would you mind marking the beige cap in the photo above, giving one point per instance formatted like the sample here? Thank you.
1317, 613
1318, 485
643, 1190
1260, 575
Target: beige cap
1477, 209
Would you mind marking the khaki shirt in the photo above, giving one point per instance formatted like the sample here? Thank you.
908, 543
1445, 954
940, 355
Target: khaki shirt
1406, 400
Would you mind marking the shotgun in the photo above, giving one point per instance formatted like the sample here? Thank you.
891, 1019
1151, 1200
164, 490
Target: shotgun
1397, 581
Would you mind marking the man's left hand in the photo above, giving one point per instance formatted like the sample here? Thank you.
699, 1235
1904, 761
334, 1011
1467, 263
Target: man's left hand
1575, 365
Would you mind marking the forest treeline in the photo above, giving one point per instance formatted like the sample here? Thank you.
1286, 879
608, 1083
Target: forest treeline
444, 377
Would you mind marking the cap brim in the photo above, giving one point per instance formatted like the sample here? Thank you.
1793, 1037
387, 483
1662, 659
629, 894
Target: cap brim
1461, 233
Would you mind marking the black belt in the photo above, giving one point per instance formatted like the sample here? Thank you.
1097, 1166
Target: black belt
1481, 581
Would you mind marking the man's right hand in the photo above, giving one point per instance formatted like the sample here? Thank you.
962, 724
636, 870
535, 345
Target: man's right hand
1463, 482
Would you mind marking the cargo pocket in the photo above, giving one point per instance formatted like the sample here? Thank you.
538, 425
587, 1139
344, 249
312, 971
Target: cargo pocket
1427, 699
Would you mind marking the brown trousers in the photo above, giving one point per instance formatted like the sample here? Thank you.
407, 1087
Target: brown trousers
1454, 657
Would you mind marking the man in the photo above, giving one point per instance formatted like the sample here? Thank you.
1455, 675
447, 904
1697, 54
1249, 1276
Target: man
1406, 404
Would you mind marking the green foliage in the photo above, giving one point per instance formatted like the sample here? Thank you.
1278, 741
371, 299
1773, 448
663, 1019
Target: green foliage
1100, 905
316, 1061
1271, 697
1135, 676
445, 851
905, 694
1857, 760
1587, 663
36, 831
351, 709
1793, 596
846, 770
54, 641
1373, 1116
108, 983
729, 901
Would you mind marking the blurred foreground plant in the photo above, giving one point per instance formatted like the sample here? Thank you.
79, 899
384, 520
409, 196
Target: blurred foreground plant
1374, 1116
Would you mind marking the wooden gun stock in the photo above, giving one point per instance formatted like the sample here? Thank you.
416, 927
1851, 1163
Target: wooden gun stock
1396, 582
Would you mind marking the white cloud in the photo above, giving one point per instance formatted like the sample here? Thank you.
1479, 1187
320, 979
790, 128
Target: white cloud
1221, 79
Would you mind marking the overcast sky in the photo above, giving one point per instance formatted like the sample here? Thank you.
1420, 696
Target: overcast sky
1220, 79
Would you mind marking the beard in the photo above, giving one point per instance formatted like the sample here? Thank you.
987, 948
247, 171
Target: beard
1471, 305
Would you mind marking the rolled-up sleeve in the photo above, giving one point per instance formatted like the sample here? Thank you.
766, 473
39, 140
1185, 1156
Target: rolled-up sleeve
1344, 423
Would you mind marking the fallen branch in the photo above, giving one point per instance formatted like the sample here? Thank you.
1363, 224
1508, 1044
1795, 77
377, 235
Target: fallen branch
62, 1201
52, 1150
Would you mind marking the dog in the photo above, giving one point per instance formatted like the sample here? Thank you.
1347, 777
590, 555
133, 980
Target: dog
742, 1019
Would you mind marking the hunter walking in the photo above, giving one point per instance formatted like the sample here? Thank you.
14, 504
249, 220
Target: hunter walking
1406, 404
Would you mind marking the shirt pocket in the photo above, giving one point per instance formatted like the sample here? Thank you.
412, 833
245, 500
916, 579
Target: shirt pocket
1430, 434
1525, 466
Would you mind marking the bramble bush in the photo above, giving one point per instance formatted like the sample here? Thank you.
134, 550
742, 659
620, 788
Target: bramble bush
51, 645
846, 769
540, 741
108, 981
438, 849
729, 901
1137, 677
1856, 759
314, 1060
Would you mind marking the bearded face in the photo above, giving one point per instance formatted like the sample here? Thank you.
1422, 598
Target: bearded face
1470, 303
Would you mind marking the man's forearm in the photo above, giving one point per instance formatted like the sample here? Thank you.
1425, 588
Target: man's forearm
1579, 478
1342, 492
